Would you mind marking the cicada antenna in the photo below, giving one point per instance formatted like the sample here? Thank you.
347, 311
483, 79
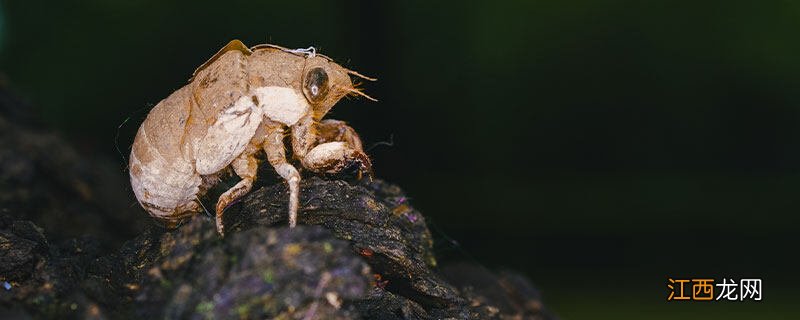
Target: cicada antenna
360, 75
360, 93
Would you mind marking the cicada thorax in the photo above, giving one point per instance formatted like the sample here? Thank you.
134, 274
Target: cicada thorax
274, 77
271, 67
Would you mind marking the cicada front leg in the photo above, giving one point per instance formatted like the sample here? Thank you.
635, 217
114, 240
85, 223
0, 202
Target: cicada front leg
338, 150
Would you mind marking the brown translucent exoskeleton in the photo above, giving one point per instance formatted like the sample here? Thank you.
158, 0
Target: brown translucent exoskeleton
240, 102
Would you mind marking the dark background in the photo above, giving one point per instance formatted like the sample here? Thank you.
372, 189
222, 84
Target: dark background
600, 147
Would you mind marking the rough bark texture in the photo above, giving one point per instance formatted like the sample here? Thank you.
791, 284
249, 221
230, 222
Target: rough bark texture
361, 251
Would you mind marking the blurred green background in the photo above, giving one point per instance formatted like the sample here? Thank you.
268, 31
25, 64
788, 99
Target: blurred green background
600, 147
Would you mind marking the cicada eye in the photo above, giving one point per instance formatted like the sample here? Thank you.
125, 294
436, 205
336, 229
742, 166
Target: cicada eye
315, 84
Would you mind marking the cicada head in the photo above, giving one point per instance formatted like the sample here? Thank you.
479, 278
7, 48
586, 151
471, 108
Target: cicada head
326, 82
